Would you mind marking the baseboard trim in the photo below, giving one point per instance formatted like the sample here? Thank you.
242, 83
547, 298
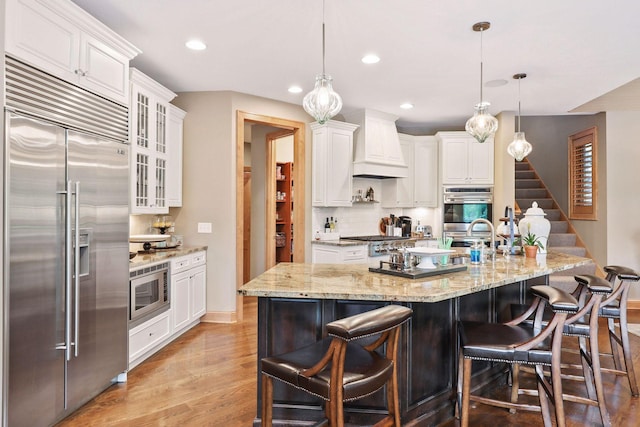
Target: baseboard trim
633, 305
223, 317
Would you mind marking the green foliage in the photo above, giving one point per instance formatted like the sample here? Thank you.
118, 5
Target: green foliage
531, 240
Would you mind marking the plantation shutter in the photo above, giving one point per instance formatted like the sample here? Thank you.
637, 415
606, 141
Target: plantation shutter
582, 175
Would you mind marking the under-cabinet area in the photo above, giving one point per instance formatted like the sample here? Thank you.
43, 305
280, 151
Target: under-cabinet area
185, 291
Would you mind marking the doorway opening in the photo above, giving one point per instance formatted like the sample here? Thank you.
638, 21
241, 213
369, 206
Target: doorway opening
283, 127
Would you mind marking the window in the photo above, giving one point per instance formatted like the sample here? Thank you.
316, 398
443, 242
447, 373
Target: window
583, 182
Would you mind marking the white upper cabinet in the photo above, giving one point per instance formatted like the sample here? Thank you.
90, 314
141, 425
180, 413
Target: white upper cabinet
174, 155
60, 38
332, 161
420, 188
425, 172
148, 117
464, 161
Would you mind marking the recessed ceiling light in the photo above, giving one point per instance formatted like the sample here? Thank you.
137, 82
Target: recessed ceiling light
406, 106
495, 83
295, 89
196, 45
370, 59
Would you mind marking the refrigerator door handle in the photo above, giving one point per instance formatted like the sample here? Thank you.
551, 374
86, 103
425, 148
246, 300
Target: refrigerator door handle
76, 269
68, 273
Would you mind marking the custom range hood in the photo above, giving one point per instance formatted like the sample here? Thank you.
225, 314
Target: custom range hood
377, 152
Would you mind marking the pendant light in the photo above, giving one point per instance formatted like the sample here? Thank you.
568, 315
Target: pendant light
322, 102
519, 148
482, 125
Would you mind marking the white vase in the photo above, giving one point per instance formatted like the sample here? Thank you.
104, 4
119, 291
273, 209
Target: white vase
534, 222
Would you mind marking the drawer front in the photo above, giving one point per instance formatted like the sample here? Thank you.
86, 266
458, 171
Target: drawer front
199, 258
180, 264
355, 254
147, 335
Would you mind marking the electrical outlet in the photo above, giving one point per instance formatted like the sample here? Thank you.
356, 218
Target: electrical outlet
204, 227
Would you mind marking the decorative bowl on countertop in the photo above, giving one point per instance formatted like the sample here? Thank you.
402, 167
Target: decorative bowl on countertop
144, 238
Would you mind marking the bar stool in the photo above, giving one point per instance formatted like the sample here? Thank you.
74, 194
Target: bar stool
514, 343
339, 370
584, 325
614, 309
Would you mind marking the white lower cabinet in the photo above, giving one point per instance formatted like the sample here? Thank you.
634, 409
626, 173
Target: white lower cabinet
188, 293
188, 287
180, 300
427, 243
147, 338
188, 300
328, 254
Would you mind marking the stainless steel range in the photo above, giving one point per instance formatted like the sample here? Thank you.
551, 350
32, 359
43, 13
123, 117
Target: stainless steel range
383, 245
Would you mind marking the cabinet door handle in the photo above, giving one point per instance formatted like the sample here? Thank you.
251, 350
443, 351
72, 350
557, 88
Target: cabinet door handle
81, 73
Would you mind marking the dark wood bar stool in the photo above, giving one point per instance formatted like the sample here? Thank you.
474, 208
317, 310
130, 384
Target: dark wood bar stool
517, 343
339, 370
614, 309
591, 291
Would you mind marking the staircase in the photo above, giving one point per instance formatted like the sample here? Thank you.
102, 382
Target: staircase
562, 238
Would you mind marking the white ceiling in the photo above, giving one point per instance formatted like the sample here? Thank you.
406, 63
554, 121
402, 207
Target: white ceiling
573, 51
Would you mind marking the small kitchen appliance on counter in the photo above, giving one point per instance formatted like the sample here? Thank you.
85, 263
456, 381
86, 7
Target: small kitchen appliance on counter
405, 224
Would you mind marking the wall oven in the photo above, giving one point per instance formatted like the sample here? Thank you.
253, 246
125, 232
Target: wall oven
462, 205
148, 293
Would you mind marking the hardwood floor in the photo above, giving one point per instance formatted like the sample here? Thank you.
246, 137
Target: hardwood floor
207, 378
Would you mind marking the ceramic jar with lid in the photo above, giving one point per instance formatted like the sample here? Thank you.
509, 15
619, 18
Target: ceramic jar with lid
534, 222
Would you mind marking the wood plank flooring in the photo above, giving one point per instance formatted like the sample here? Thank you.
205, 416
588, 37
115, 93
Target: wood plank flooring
208, 378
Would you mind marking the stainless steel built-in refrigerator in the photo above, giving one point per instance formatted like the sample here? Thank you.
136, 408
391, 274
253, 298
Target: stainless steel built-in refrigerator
66, 249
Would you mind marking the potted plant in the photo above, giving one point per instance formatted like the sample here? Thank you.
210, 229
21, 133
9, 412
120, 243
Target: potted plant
531, 243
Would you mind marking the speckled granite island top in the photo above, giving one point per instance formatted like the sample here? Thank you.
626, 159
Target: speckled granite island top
355, 282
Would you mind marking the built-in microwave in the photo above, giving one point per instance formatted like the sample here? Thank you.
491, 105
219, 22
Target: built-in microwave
149, 293
463, 205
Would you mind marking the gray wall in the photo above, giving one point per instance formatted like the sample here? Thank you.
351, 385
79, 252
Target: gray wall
549, 137
209, 182
623, 182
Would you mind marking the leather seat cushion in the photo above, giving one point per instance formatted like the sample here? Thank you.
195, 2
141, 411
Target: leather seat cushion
496, 341
364, 372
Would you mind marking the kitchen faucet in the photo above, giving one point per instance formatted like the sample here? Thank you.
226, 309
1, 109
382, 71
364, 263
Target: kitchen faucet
493, 235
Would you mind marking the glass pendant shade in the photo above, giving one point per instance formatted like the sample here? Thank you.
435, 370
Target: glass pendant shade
482, 125
322, 103
519, 147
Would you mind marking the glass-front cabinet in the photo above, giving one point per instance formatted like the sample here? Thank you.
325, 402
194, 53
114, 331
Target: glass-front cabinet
149, 106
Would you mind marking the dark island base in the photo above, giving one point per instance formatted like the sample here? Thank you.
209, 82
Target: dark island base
428, 352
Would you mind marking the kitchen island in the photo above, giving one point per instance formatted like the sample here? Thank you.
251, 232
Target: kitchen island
297, 300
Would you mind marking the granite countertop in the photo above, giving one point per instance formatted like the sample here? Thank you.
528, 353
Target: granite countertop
163, 255
355, 282
347, 242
